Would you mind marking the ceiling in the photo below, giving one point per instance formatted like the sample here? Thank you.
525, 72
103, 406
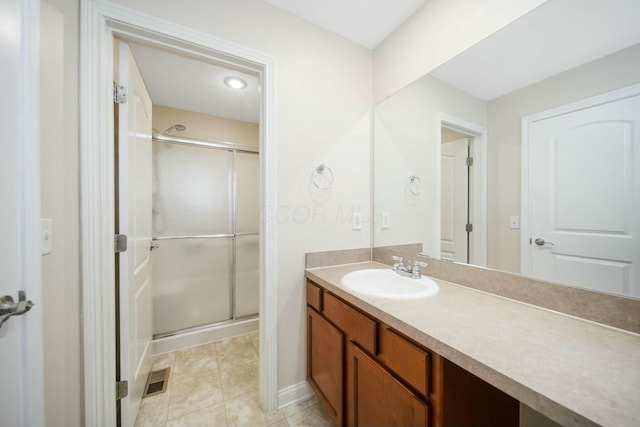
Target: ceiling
555, 37
204, 91
366, 22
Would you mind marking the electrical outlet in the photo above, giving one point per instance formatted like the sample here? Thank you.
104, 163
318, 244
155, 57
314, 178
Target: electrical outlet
357, 221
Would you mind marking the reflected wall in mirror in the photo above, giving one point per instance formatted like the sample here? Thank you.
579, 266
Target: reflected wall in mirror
561, 53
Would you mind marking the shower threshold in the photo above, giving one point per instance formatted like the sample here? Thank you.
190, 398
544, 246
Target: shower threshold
185, 338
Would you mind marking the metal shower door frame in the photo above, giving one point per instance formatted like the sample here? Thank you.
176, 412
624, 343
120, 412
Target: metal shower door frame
233, 149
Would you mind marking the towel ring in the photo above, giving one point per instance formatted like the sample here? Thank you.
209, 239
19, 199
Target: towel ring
322, 177
415, 185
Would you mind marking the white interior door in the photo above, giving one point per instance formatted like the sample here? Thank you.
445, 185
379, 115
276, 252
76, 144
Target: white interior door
134, 220
584, 197
21, 370
453, 235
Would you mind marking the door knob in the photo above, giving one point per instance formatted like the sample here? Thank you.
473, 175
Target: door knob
10, 308
541, 242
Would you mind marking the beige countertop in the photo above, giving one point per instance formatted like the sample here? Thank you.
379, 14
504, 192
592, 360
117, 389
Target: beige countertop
574, 371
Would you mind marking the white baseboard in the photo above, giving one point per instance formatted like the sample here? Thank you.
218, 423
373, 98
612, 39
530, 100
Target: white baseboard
293, 394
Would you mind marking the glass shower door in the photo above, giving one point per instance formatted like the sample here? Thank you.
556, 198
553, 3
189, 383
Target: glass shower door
247, 218
193, 229
191, 284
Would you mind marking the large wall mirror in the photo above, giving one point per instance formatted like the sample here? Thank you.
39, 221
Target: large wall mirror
525, 146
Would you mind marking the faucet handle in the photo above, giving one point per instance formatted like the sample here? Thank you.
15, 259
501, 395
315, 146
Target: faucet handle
416, 268
397, 264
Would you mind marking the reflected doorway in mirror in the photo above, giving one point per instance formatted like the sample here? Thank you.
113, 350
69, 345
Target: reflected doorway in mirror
581, 193
461, 206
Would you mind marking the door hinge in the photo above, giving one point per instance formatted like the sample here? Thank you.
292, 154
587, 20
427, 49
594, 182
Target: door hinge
468, 228
469, 161
119, 94
122, 389
120, 243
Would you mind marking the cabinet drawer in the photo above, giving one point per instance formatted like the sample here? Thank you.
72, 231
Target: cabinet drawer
410, 362
356, 325
314, 296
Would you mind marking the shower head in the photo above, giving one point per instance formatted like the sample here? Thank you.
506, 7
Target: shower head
178, 127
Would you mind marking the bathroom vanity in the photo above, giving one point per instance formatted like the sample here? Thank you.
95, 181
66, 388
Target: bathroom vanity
461, 357
366, 373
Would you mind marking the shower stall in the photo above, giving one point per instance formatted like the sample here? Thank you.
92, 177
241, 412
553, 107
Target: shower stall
206, 241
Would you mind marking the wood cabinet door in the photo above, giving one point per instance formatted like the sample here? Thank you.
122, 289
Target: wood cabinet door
376, 399
325, 363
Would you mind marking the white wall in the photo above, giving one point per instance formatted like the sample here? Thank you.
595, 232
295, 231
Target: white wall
437, 32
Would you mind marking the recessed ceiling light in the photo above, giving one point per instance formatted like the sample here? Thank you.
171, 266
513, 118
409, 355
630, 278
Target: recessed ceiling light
235, 82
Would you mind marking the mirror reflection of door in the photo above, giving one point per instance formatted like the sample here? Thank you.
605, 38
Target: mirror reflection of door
455, 237
584, 194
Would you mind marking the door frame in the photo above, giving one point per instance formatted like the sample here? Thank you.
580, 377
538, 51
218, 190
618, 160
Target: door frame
525, 172
100, 21
478, 206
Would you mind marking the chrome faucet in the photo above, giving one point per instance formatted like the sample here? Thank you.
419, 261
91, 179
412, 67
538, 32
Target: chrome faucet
408, 270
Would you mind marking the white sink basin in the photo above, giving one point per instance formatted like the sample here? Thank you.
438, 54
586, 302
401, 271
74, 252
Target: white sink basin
389, 284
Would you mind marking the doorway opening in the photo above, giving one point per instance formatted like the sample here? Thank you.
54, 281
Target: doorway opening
206, 193
189, 208
460, 191
456, 181
101, 24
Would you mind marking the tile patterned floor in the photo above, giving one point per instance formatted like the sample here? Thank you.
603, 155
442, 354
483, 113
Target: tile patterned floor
217, 385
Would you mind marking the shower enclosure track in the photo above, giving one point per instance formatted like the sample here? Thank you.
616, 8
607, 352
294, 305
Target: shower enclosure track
202, 143
220, 145
204, 236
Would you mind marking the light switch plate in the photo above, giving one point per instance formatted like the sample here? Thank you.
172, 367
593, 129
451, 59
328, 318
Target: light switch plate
46, 236
514, 222
386, 220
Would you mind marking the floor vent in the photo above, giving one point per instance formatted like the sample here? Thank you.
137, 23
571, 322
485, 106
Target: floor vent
157, 382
